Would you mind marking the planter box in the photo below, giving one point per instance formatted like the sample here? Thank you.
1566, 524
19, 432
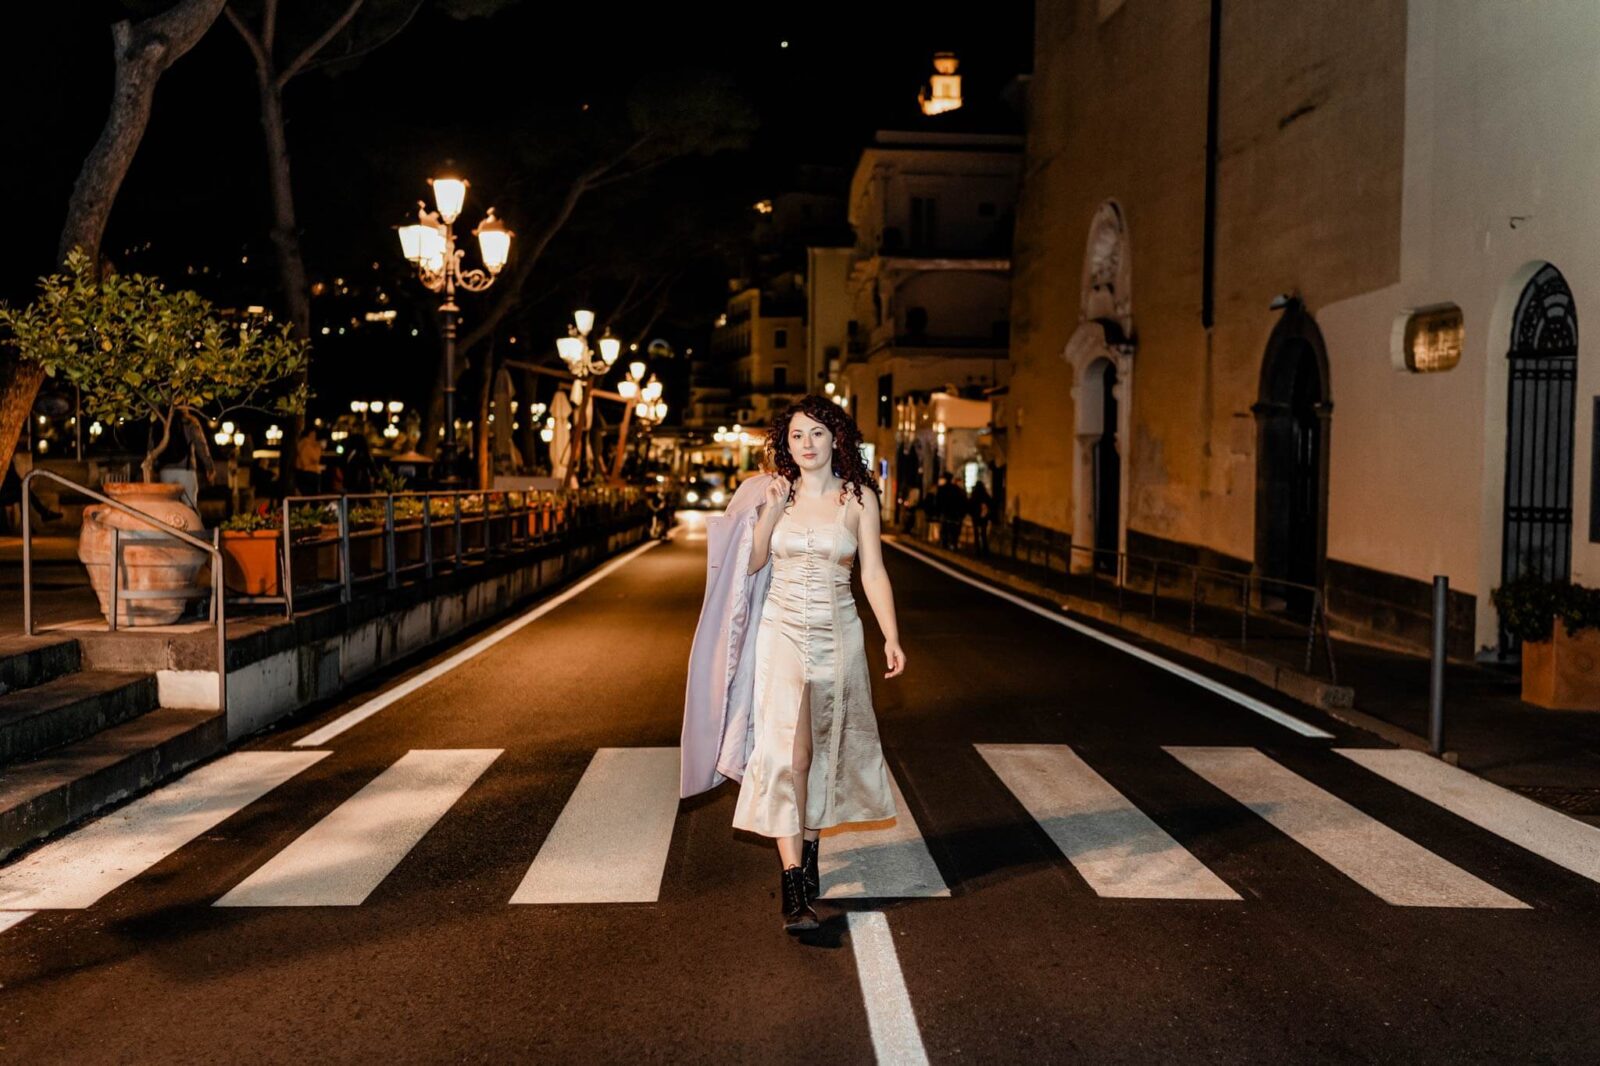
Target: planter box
1563, 673
250, 562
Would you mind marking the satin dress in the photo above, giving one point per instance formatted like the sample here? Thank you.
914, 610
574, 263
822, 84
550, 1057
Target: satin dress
810, 652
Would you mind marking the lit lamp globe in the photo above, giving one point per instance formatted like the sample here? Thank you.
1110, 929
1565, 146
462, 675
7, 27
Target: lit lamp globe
627, 388
570, 349
584, 319
652, 391
494, 241
610, 349
422, 243
636, 370
660, 410
641, 409
449, 193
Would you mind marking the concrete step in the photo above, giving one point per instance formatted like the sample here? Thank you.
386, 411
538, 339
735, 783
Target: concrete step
70, 708
29, 661
41, 796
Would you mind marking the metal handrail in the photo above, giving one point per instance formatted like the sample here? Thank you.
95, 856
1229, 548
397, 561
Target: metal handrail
160, 527
1316, 624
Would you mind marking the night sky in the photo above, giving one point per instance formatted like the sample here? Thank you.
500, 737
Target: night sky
500, 96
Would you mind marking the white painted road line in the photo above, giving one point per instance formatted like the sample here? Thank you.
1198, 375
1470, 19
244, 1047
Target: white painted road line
356, 715
1249, 703
609, 844
341, 859
879, 860
1113, 845
8, 919
1395, 869
895, 1037
78, 869
1547, 833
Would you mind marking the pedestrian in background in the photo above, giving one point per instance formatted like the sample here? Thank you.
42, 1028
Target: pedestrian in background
981, 505
308, 463
360, 472
952, 510
908, 507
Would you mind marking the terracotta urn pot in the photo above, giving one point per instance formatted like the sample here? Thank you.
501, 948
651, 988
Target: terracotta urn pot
250, 561
167, 563
1563, 673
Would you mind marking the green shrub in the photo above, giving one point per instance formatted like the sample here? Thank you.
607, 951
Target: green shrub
1530, 605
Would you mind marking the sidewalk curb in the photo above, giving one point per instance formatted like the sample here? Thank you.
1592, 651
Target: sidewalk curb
1337, 701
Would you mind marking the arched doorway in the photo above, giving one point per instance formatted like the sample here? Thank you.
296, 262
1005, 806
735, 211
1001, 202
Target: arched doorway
1540, 406
1107, 466
1100, 353
1292, 417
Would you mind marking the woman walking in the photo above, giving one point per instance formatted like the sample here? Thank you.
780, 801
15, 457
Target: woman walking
780, 693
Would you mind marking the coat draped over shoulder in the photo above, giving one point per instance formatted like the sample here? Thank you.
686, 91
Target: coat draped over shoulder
718, 731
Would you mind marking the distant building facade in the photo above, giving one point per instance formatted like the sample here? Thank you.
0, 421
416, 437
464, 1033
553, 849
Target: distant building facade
1297, 290
933, 208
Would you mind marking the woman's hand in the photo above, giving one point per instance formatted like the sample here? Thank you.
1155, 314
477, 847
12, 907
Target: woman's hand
778, 490
895, 657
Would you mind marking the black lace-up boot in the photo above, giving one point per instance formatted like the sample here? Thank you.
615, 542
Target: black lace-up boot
808, 864
797, 913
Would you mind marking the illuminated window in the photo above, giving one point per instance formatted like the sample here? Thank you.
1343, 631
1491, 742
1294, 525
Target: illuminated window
1427, 340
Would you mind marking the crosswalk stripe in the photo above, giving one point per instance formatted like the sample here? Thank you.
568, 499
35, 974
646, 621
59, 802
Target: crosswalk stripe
1395, 869
341, 859
78, 869
12, 918
895, 1037
879, 860
1113, 845
609, 844
1547, 833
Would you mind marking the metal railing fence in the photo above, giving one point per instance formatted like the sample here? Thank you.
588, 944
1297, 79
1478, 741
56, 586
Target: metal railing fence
1151, 584
330, 543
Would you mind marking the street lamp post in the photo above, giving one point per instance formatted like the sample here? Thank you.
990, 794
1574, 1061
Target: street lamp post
642, 400
430, 245
579, 356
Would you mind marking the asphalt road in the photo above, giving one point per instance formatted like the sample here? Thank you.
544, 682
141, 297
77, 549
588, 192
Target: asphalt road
1108, 863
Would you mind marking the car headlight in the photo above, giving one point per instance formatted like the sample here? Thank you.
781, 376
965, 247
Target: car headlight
717, 496
692, 496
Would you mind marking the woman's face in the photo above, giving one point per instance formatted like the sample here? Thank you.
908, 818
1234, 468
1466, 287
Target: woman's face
811, 444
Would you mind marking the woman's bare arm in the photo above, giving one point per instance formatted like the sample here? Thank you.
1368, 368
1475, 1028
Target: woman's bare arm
875, 583
777, 494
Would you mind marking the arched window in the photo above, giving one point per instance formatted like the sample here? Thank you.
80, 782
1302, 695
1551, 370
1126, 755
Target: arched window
1541, 398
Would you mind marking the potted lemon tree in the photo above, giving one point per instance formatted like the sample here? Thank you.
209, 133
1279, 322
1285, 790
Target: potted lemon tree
146, 356
1559, 626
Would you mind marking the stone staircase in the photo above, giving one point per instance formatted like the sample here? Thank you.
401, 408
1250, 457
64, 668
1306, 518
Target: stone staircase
74, 741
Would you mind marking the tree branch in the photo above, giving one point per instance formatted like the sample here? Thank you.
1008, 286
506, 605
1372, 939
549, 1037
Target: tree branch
311, 50
357, 53
269, 25
258, 51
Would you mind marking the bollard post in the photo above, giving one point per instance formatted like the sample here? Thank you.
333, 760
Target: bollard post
1441, 596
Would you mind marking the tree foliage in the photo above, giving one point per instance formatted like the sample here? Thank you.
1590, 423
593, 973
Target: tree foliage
139, 351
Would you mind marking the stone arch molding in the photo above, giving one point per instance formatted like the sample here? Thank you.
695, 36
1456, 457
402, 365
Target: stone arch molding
1104, 334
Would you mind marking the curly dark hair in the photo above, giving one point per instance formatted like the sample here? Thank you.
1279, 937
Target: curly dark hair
847, 461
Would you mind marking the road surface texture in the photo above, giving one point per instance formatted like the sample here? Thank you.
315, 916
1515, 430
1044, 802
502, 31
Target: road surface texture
1097, 859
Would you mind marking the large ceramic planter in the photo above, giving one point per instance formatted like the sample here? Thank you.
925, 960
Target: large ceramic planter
167, 564
250, 561
1563, 673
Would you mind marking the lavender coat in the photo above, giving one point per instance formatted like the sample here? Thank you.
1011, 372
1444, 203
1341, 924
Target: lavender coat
718, 732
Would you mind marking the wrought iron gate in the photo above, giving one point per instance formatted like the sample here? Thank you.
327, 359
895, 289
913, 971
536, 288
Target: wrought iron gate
1539, 429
